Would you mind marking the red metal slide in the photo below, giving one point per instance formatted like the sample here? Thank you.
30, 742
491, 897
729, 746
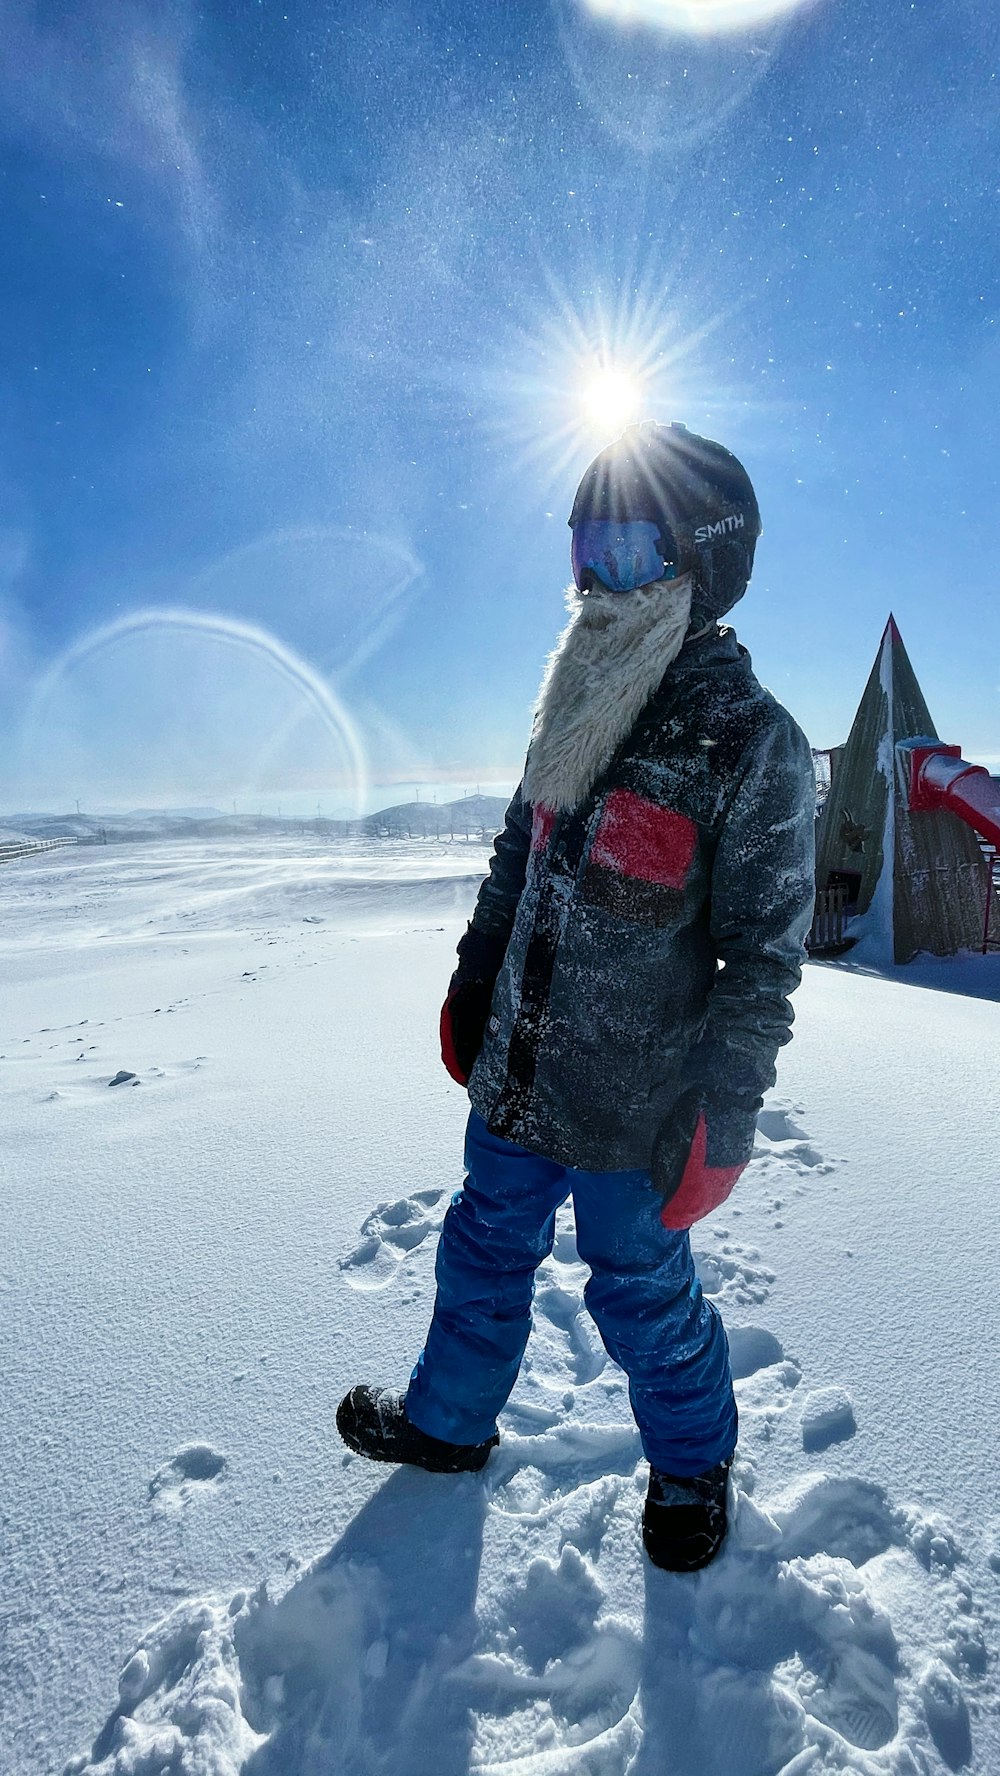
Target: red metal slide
937, 776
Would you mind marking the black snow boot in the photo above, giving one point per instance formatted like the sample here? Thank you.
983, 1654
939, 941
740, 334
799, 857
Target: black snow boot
684, 1520
373, 1422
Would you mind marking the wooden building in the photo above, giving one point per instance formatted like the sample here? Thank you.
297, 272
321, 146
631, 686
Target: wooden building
920, 876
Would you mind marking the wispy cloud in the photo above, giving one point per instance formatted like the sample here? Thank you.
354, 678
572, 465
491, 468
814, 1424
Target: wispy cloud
110, 85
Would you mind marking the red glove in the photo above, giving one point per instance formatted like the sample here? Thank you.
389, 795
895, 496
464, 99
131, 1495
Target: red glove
463, 1026
701, 1124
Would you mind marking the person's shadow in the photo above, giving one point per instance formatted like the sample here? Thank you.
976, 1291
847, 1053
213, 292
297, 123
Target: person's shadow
703, 1716
714, 1693
350, 1672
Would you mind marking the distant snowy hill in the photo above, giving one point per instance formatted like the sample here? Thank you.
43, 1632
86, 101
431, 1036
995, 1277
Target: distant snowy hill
171, 813
468, 817
48, 826
472, 814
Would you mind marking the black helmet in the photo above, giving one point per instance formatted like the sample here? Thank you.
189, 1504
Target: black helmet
697, 491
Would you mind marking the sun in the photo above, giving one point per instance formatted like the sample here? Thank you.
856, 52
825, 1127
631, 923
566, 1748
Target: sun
612, 398
582, 371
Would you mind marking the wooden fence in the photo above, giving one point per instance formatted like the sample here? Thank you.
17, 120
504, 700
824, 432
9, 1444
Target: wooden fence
829, 919
9, 849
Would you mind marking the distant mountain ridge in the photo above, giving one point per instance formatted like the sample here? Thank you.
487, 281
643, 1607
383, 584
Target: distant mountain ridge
469, 812
469, 817
181, 813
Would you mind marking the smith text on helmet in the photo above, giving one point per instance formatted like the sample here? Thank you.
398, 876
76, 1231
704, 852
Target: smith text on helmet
706, 533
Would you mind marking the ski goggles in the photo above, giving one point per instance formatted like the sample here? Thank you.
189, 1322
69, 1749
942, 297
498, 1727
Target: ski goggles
620, 554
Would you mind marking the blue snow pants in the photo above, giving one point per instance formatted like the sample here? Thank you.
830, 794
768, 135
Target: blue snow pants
643, 1294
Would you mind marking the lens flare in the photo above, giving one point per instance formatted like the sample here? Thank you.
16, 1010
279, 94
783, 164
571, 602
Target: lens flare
662, 78
344, 590
171, 699
697, 18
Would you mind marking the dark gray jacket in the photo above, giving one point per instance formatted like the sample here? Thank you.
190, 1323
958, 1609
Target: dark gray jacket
650, 939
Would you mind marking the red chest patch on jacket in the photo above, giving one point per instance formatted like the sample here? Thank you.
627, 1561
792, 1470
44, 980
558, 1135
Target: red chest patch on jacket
639, 839
640, 859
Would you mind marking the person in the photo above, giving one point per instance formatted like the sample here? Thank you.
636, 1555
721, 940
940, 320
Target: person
622, 988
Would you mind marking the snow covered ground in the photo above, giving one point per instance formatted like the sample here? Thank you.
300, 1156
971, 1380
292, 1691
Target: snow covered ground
197, 1261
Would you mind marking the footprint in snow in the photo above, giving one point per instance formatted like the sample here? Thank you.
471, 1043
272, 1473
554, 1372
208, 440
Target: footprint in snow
733, 1275
823, 1638
947, 1714
557, 1678
782, 1144
192, 1471
752, 1348
782, 1649
553, 1609
388, 1234
565, 1339
534, 1476
788, 1653
791, 1649
775, 1123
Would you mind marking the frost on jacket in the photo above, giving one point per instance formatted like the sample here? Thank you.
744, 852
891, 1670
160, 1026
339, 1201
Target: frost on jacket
652, 937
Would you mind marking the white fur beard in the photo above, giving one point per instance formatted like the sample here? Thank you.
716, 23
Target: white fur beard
599, 677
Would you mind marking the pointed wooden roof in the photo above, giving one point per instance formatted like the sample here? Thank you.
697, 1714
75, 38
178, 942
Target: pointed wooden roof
936, 877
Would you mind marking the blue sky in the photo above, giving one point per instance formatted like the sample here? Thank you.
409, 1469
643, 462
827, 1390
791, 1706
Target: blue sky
298, 306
